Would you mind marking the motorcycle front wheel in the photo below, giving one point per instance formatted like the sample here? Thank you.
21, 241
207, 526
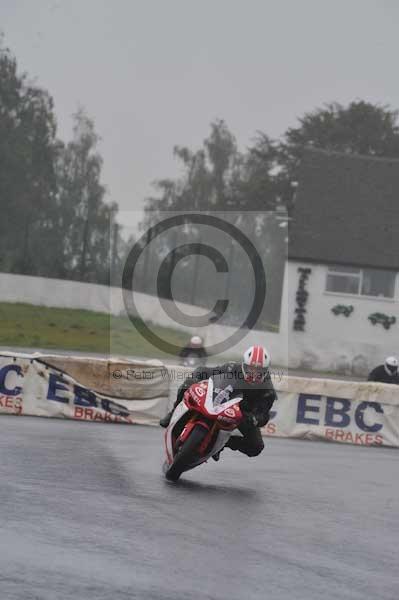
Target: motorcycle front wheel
187, 453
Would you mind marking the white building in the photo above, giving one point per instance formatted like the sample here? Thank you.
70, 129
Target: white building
341, 297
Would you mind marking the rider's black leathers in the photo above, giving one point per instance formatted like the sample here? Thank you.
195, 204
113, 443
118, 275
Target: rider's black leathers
380, 374
257, 402
197, 351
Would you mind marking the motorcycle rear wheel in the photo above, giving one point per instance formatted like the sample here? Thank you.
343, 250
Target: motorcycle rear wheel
187, 454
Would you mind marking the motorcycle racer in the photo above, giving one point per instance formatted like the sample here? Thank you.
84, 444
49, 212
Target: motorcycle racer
195, 348
251, 378
386, 373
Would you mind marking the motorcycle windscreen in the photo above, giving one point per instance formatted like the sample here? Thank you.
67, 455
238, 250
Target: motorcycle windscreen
220, 394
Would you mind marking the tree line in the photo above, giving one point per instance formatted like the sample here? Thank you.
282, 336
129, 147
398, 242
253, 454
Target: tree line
219, 177
55, 220
56, 217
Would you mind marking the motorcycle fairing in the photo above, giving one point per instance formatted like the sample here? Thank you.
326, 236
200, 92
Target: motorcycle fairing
209, 408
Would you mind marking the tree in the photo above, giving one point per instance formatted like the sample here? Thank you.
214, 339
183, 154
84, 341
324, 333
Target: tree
28, 149
207, 176
254, 183
221, 149
216, 177
84, 219
359, 128
55, 221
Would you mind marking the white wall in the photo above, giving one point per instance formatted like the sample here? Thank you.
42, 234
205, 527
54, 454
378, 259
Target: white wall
72, 294
62, 293
337, 342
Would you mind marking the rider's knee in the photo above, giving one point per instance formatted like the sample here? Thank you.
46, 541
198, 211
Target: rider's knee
256, 450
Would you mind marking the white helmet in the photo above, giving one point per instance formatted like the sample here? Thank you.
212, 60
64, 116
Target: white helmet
196, 341
255, 364
391, 365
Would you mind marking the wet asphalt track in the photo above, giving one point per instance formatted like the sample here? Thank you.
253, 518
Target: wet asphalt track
85, 514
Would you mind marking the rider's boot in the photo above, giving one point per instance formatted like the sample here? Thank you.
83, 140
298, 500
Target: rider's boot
216, 456
164, 422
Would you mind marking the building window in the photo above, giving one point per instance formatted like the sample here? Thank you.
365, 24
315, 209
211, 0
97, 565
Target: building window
364, 282
343, 280
378, 283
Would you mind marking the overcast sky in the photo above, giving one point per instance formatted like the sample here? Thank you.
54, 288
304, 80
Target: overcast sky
153, 74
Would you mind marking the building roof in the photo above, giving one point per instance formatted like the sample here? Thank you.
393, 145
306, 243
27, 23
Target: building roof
346, 210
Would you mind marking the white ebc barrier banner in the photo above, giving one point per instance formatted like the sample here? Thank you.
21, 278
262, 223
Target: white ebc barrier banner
87, 389
118, 391
365, 413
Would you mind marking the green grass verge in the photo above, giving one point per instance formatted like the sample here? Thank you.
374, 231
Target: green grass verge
25, 325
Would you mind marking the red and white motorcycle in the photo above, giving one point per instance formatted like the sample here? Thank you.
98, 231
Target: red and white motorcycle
200, 426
